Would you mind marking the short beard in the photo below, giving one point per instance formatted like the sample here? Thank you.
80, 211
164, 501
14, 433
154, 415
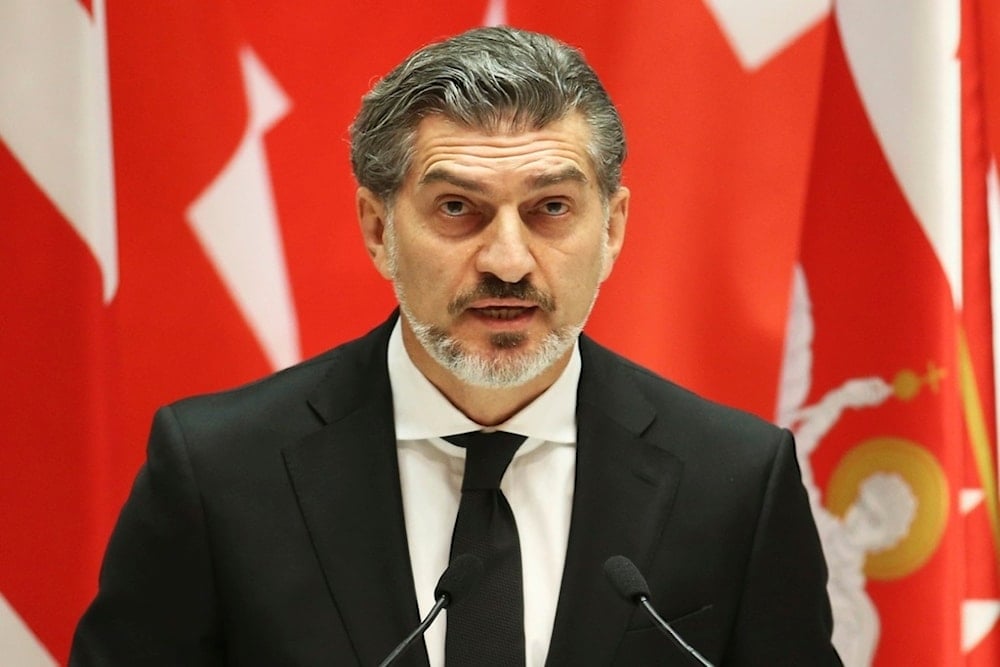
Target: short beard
505, 368
497, 371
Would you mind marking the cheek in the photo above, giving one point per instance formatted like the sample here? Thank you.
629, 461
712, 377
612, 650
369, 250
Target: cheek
589, 259
577, 274
428, 274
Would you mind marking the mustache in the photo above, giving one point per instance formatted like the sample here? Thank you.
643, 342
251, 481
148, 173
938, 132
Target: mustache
491, 287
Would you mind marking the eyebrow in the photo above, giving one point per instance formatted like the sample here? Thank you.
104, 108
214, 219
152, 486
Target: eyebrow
440, 175
569, 173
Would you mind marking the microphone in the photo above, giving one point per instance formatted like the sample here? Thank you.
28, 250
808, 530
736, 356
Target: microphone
629, 583
461, 576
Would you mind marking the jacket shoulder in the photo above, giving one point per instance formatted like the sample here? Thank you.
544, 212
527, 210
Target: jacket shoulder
291, 399
671, 403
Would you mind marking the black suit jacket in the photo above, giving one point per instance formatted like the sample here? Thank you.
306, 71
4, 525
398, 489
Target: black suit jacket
266, 528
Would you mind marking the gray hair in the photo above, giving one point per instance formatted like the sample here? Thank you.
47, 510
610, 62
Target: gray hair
488, 79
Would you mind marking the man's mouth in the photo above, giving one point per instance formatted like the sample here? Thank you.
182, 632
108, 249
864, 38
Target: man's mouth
503, 312
504, 301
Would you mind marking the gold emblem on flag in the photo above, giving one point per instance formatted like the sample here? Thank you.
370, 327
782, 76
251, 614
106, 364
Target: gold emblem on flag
925, 478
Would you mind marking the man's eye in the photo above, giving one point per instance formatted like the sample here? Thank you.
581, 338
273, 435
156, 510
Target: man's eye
555, 207
455, 207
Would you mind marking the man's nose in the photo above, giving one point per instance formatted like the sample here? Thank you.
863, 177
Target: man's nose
506, 251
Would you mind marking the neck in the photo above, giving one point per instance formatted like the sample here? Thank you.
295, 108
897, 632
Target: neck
483, 405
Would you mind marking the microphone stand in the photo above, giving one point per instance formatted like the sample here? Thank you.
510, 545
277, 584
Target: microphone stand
670, 632
441, 603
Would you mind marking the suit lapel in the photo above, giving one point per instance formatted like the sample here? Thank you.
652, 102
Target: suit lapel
624, 491
346, 479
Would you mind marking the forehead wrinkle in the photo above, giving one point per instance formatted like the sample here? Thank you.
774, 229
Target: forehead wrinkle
445, 150
568, 173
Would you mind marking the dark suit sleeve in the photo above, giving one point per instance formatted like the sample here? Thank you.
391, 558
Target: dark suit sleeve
784, 616
155, 604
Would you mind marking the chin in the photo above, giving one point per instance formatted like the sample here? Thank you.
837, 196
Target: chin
509, 363
510, 359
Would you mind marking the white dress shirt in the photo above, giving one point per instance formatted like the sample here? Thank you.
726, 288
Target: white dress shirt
538, 485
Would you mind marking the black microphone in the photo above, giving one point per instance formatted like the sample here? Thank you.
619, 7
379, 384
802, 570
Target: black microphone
458, 579
629, 583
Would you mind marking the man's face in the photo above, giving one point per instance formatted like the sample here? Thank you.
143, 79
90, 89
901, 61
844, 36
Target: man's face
496, 246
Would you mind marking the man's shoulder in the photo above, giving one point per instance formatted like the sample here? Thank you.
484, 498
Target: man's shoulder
286, 394
674, 405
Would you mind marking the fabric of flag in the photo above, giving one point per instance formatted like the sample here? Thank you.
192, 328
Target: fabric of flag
809, 239
880, 383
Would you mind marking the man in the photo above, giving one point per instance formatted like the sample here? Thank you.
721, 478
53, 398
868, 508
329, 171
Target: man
305, 519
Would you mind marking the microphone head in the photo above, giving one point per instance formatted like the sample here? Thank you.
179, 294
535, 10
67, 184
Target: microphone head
626, 579
460, 577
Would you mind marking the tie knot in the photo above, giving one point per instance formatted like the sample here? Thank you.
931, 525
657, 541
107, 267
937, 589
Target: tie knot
487, 456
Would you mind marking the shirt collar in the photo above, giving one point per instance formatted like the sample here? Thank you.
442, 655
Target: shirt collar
421, 411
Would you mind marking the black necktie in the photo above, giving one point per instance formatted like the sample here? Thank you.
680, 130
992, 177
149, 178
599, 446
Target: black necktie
487, 627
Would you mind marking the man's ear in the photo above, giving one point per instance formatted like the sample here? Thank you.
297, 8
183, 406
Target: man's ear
617, 219
372, 214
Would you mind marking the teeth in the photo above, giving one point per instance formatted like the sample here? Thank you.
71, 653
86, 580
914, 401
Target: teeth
502, 313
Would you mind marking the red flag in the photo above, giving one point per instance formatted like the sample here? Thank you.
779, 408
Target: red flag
58, 270
879, 385
979, 54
